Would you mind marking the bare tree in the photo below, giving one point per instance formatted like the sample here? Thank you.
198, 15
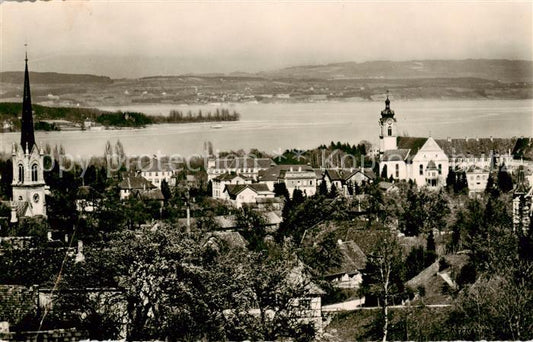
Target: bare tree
383, 271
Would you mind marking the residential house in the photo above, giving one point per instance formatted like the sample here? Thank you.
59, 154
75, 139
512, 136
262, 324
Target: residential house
241, 194
132, 182
301, 177
348, 274
154, 194
157, 171
477, 178
388, 187
219, 182
308, 306
346, 180
87, 199
335, 177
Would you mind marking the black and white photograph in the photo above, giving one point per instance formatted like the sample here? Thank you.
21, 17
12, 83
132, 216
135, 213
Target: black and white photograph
266, 170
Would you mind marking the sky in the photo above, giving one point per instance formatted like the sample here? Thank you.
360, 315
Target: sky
142, 38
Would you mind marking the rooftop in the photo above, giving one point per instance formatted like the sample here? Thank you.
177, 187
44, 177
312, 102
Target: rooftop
132, 181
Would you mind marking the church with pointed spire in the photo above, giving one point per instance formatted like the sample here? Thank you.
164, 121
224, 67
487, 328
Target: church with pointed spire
28, 183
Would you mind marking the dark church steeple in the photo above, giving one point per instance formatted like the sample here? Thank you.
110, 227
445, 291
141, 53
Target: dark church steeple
27, 137
387, 112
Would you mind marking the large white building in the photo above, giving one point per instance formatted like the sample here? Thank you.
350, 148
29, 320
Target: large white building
402, 158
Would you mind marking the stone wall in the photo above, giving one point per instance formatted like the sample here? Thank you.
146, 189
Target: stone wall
58, 335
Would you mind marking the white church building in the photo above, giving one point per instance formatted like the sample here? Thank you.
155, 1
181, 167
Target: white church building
404, 158
28, 183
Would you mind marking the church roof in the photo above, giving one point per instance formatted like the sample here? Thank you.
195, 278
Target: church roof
27, 137
411, 143
395, 155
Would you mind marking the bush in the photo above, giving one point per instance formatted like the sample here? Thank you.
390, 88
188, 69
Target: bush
467, 275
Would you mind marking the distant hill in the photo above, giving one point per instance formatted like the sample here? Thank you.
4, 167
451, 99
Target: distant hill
17, 77
491, 69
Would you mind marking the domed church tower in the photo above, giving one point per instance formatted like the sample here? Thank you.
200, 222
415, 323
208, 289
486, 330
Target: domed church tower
388, 130
28, 165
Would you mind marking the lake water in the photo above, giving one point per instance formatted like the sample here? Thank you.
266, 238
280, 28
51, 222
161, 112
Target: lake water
270, 127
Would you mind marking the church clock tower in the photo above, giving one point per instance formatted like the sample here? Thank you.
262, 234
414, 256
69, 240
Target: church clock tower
388, 130
28, 164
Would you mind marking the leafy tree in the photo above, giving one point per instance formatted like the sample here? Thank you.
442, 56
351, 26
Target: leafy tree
431, 253
450, 180
492, 188
461, 184
333, 191
323, 255
415, 262
252, 225
165, 189
505, 182
280, 190
297, 197
6, 177
323, 188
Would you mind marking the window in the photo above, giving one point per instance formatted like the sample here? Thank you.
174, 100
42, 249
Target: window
305, 303
21, 173
389, 131
440, 169
34, 175
421, 169
397, 170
